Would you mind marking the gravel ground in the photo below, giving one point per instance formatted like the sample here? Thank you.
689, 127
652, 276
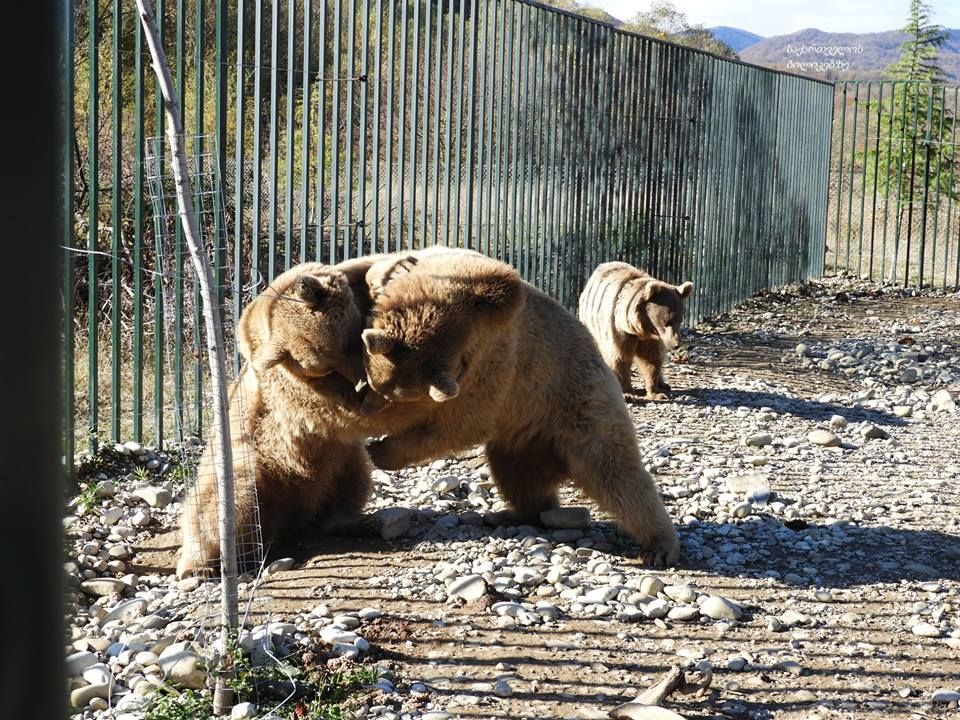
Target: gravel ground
810, 457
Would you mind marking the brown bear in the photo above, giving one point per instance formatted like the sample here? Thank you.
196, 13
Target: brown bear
459, 351
301, 341
634, 318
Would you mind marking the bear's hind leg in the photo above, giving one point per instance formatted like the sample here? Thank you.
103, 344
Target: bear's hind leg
350, 489
608, 468
528, 478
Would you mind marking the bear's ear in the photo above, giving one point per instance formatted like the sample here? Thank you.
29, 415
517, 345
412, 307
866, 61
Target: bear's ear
501, 291
313, 290
685, 289
648, 291
377, 342
268, 355
443, 388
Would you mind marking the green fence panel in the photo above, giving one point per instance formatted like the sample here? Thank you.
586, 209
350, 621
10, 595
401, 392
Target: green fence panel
324, 130
894, 183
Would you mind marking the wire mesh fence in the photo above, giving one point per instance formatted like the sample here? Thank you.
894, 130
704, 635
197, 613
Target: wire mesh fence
895, 186
539, 137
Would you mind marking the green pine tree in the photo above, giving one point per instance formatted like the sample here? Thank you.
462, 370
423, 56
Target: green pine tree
912, 158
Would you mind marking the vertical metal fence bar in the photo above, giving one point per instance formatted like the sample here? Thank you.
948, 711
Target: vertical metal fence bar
912, 177
348, 145
319, 213
425, 129
471, 163
521, 180
138, 120
115, 226
451, 118
256, 201
953, 166
69, 234
551, 236
926, 185
437, 112
220, 243
485, 122
199, 168
274, 129
411, 213
886, 182
178, 249
93, 173
539, 205
863, 177
507, 142
839, 193
461, 228
853, 163
388, 197
378, 62
335, 133
239, 177
941, 107
494, 200
876, 179
158, 291
291, 122
305, 135
362, 224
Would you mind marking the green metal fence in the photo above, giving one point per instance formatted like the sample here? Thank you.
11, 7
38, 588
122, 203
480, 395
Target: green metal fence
895, 186
349, 126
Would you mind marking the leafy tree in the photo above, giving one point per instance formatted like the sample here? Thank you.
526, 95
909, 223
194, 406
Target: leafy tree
666, 22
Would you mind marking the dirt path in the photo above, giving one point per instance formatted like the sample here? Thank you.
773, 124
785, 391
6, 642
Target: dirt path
873, 526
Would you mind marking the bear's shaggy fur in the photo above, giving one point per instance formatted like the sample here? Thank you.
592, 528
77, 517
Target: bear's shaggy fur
300, 339
634, 318
466, 353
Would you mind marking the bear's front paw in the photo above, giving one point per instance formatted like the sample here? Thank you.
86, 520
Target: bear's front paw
658, 396
663, 552
383, 453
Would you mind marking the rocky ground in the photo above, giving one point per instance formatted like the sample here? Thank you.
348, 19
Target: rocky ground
810, 458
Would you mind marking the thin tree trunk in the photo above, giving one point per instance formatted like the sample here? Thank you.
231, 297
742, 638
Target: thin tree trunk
223, 460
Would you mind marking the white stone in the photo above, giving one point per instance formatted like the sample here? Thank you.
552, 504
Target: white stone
103, 586
925, 629
126, 611
943, 401
78, 662
281, 565
651, 585
758, 440
838, 422
335, 635
81, 697
111, 515
243, 711
98, 674
680, 593
945, 695
719, 608
394, 522
350, 622
502, 689
182, 667
153, 496
469, 588
824, 438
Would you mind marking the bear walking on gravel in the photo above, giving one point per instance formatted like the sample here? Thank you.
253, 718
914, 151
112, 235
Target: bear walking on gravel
301, 341
460, 351
634, 318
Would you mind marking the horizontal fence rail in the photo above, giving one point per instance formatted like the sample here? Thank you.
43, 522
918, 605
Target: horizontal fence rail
894, 184
347, 127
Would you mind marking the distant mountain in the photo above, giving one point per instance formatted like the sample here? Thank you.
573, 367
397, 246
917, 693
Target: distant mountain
860, 56
735, 37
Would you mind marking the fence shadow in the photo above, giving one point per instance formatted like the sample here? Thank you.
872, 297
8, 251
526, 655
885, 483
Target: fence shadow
814, 410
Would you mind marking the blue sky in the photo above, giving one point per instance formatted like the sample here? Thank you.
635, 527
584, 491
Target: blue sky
777, 17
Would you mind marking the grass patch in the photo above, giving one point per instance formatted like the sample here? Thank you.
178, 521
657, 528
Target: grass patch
293, 688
